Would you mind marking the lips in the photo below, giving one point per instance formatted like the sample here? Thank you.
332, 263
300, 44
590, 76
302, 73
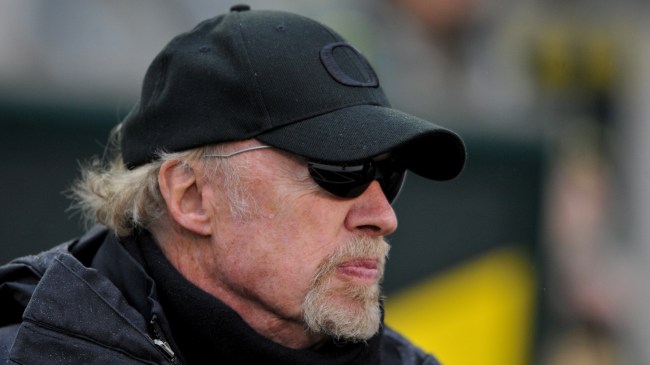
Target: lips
365, 269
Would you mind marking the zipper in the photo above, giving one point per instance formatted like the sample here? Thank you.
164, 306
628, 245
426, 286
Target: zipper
159, 341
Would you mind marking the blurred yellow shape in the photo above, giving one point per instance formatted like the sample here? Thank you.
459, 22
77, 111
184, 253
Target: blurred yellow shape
480, 312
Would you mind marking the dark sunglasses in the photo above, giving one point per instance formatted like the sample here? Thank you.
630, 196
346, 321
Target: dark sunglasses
350, 180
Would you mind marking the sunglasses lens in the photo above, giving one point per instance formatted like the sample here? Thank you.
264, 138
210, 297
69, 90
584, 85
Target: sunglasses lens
352, 181
391, 179
342, 181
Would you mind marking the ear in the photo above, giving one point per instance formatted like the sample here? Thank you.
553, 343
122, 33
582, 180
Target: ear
182, 193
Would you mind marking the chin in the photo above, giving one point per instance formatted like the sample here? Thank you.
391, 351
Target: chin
352, 313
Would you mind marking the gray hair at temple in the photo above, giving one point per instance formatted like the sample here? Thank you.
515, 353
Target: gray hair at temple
123, 199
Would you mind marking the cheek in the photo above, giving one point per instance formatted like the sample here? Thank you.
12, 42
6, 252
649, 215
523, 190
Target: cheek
278, 275
275, 251
268, 254
282, 254
295, 219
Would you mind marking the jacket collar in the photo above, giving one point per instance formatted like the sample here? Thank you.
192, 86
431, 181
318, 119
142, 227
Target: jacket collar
75, 302
118, 262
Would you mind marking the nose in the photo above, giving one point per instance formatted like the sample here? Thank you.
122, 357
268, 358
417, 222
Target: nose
371, 213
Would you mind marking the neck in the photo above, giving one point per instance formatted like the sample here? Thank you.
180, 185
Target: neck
194, 259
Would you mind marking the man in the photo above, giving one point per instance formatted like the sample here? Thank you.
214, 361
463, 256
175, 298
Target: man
243, 218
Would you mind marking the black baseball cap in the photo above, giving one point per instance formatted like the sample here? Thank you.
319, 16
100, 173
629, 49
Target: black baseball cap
286, 80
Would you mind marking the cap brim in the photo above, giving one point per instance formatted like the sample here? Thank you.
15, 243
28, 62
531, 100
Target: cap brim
360, 132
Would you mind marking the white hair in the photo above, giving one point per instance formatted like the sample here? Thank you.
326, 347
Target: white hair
128, 199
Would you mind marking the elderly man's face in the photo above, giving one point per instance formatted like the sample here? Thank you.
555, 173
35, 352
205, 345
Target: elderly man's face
298, 254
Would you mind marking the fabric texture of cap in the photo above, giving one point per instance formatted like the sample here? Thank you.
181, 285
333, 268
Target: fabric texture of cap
286, 80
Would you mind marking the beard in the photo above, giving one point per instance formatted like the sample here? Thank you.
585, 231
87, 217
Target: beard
346, 310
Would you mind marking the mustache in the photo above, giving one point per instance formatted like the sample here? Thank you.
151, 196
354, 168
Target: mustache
357, 248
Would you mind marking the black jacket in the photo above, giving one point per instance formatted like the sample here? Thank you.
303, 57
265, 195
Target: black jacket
88, 301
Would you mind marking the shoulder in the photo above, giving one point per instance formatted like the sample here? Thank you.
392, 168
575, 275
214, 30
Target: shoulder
20, 277
7, 337
37, 264
396, 349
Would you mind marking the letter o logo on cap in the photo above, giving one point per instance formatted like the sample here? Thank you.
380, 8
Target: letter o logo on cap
362, 66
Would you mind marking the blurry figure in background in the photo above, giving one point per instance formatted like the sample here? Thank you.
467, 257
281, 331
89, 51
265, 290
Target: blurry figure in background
447, 23
579, 67
244, 215
456, 59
